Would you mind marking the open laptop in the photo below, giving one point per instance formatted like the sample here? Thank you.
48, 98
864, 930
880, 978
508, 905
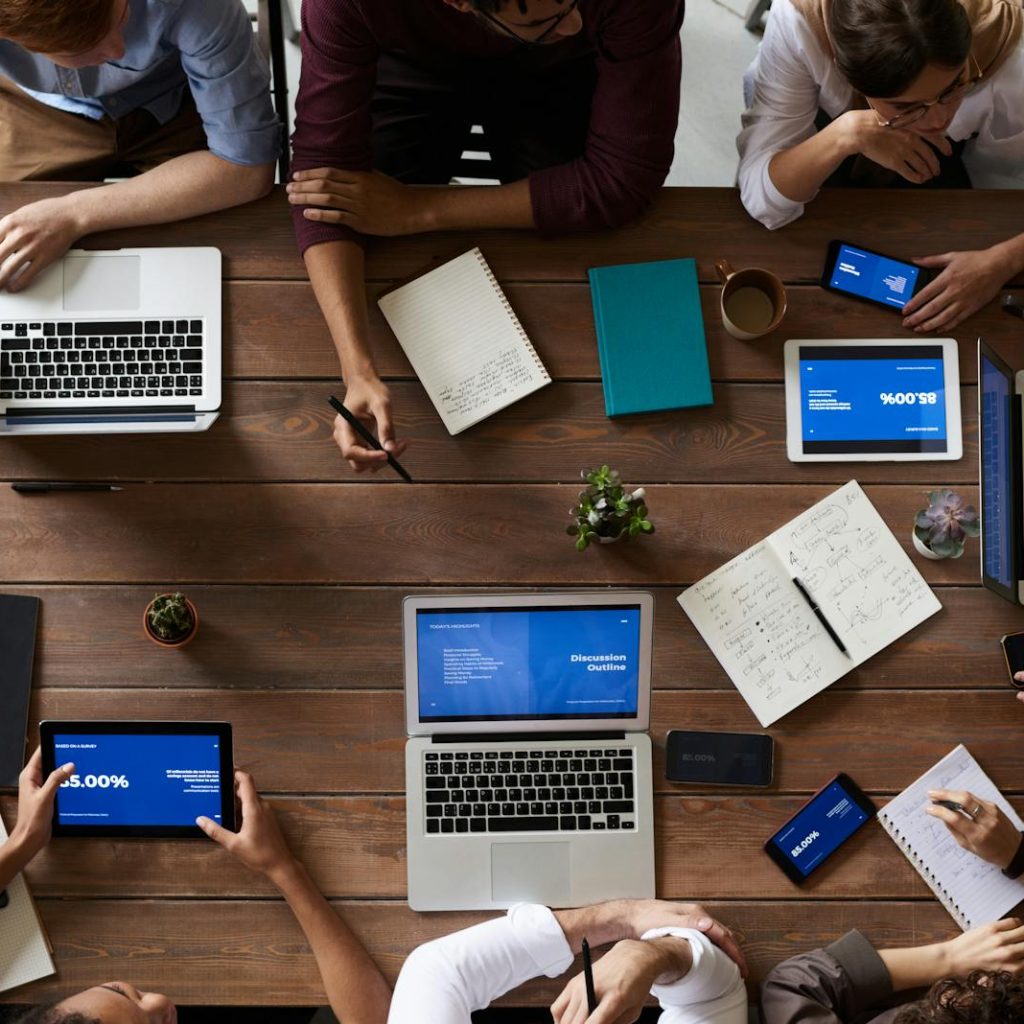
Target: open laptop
528, 774
1000, 454
118, 341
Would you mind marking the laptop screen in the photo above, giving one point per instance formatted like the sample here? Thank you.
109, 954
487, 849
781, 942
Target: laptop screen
996, 426
528, 663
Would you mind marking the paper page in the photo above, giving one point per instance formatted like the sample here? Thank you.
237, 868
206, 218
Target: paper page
857, 572
976, 890
465, 343
763, 632
24, 955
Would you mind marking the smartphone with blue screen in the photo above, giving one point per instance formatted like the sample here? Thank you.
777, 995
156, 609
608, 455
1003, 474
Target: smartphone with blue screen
870, 276
819, 828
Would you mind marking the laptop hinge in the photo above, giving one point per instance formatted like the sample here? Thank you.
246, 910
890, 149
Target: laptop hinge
525, 738
103, 414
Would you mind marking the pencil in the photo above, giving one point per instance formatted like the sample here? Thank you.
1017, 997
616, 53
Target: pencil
588, 978
354, 423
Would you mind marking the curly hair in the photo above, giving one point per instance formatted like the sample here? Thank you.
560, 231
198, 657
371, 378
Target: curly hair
493, 6
983, 997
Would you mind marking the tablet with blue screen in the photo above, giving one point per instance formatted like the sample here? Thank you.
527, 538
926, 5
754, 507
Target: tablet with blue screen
873, 400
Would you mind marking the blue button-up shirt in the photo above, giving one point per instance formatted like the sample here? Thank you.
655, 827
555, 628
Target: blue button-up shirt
208, 45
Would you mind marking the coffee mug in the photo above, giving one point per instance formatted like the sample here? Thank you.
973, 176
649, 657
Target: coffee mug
753, 301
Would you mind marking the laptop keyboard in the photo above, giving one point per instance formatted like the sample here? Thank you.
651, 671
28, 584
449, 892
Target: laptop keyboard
529, 790
54, 359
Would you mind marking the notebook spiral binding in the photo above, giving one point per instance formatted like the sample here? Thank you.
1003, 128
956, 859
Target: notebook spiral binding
511, 312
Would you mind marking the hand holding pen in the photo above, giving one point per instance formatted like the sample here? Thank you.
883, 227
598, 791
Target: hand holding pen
375, 446
977, 825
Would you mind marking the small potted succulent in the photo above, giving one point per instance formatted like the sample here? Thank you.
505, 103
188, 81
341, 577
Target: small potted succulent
941, 529
170, 620
605, 512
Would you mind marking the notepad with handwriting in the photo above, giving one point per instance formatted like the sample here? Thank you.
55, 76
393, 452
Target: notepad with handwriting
972, 890
24, 951
768, 639
464, 341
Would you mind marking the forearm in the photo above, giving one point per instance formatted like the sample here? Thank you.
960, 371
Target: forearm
356, 990
465, 207
13, 857
1012, 255
916, 966
799, 172
600, 924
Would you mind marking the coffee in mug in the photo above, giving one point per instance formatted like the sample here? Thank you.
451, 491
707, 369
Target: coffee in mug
753, 301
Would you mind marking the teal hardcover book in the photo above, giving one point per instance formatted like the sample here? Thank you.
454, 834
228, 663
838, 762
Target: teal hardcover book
650, 336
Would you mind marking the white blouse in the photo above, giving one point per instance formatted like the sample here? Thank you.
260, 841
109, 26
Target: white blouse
793, 76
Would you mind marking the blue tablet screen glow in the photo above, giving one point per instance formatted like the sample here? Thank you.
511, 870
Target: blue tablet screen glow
874, 277
997, 475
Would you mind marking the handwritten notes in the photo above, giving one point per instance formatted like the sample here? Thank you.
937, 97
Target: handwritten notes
465, 343
972, 890
769, 640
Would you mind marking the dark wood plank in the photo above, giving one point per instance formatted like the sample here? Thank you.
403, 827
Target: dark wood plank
275, 329
353, 741
396, 533
336, 637
230, 952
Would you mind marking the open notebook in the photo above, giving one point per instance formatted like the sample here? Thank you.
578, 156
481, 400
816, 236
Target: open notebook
972, 890
776, 650
464, 341
24, 951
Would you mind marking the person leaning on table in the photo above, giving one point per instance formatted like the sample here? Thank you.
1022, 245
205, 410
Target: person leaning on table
891, 92
172, 91
357, 991
579, 101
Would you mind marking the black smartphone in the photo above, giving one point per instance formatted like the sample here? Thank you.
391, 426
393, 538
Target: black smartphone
719, 758
820, 827
863, 274
1013, 652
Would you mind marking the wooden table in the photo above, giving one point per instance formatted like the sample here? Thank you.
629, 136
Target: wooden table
298, 569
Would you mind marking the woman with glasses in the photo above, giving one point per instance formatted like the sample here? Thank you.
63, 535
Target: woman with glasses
890, 93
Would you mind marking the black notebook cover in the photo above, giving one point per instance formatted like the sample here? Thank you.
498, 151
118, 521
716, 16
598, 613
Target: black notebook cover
17, 649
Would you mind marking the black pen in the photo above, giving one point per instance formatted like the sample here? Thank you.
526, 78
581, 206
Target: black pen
821, 616
588, 979
354, 423
952, 805
46, 488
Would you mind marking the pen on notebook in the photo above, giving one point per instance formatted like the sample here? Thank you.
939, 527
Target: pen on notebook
354, 423
952, 805
588, 978
46, 488
821, 616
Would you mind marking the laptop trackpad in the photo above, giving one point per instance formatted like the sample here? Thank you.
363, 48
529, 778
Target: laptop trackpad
531, 872
101, 282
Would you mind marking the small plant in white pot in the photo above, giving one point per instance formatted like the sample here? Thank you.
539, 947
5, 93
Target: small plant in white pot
941, 529
605, 512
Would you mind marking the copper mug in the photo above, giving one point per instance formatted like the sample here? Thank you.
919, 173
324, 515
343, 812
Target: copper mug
753, 301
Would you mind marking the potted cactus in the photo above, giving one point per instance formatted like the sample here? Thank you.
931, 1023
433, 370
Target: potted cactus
941, 529
605, 512
170, 620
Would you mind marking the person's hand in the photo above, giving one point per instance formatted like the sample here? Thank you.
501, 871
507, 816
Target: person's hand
910, 154
33, 236
258, 844
998, 946
991, 836
365, 201
368, 399
622, 982
35, 804
966, 282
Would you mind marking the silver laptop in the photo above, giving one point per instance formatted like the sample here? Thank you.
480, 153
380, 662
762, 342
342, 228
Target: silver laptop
118, 341
528, 771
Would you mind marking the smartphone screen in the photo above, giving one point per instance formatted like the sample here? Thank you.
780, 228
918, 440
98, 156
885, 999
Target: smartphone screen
719, 758
853, 270
819, 828
1013, 649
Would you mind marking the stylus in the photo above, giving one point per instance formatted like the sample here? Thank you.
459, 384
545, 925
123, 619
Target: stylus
588, 978
821, 616
354, 423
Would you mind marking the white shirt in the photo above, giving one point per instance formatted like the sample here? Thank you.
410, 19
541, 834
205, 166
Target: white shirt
444, 981
793, 76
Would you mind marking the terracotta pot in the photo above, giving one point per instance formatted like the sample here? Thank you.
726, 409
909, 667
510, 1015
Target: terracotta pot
171, 643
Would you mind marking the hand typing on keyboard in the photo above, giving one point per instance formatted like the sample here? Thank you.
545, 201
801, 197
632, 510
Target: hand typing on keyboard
32, 237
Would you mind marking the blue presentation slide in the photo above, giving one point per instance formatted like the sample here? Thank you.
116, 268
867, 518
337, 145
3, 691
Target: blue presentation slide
528, 663
874, 277
820, 828
996, 475
859, 397
138, 780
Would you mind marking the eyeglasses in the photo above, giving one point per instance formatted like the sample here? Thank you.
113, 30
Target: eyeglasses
969, 76
555, 19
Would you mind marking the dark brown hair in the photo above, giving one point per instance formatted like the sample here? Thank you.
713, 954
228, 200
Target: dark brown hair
51, 1013
881, 46
56, 26
983, 997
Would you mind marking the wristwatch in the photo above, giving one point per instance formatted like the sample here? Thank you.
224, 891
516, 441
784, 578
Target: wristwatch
1016, 866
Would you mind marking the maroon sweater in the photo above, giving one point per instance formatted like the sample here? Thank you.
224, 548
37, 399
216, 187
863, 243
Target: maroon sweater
633, 116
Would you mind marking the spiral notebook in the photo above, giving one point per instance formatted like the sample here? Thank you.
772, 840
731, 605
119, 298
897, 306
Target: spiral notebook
972, 890
464, 341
